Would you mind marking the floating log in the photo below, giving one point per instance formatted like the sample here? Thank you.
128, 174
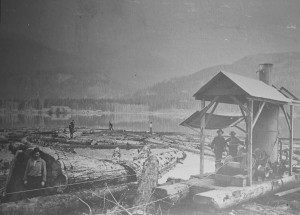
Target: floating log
62, 203
171, 194
284, 193
232, 196
70, 171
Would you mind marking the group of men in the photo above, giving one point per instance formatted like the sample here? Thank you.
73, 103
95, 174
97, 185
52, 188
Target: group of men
219, 145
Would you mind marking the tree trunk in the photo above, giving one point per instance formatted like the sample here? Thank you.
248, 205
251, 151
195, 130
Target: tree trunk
147, 183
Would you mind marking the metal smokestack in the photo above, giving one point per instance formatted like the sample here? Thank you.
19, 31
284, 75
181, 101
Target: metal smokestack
265, 71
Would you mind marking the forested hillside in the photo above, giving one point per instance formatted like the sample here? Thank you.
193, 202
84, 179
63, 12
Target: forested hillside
178, 92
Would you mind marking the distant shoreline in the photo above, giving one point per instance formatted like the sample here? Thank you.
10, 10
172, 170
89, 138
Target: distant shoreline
164, 112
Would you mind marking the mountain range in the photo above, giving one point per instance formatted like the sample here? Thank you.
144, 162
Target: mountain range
31, 70
178, 92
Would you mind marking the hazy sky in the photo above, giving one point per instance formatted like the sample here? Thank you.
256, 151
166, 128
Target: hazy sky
157, 38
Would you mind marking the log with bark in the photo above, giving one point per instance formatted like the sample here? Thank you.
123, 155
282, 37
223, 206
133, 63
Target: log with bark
229, 197
147, 183
171, 194
67, 171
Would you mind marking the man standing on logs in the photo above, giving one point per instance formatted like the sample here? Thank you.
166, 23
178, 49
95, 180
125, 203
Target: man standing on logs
233, 144
72, 128
110, 126
218, 145
35, 172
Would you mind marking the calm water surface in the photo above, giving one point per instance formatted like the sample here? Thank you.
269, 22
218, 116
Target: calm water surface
123, 121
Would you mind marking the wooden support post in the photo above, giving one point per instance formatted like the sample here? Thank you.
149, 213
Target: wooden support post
287, 117
280, 151
249, 140
291, 138
261, 106
202, 139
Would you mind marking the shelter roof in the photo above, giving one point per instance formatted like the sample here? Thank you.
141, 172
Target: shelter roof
215, 121
228, 84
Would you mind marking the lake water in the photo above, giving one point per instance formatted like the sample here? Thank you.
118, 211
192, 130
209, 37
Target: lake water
190, 166
121, 121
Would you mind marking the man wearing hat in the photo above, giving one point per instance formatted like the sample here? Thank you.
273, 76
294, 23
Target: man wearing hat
218, 145
72, 128
233, 144
35, 172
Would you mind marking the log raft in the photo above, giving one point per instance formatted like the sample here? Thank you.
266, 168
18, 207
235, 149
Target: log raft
232, 196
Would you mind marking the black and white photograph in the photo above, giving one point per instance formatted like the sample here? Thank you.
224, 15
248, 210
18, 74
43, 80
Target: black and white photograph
149, 107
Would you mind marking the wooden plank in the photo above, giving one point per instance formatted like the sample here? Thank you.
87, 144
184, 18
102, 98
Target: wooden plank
291, 138
284, 193
249, 138
261, 106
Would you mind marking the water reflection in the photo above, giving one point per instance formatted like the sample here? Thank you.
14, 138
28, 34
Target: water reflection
123, 121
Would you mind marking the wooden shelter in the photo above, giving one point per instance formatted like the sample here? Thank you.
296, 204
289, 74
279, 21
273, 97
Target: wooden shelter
259, 103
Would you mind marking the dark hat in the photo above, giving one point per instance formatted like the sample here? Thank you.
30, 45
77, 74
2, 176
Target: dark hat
232, 133
35, 150
220, 130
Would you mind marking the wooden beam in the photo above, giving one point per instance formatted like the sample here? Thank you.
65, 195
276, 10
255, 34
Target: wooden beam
291, 139
245, 118
238, 127
240, 104
287, 117
212, 111
270, 101
237, 122
249, 140
210, 104
261, 106
202, 138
